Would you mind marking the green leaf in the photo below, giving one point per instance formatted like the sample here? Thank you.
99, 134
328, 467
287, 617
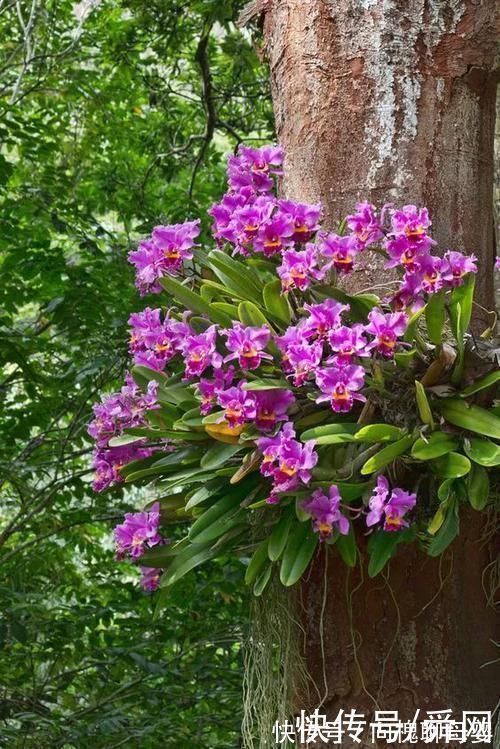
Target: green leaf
124, 439
250, 314
447, 532
299, 551
279, 535
451, 466
387, 455
460, 308
482, 451
198, 496
423, 406
188, 299
412, 325
435, 317
334, 439
473, 418
270, 384
277, 303
381, 548
478, 487
234, 274
347, 547
262, 581
481, 384
327, 430
257, 562
379, 433
218, 454
216, 520
186, 561
435, 445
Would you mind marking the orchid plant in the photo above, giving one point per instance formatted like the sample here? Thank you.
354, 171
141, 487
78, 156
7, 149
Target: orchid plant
275, 412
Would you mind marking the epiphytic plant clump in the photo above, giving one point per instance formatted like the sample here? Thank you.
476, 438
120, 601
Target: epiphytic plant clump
274, 411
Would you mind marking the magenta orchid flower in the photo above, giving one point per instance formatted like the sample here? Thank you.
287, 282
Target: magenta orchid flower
247, 344
274, 235
456, 266
286, 460
323, 318
346, 343
390, 506
271, 407
138, 532
163, 254
153, 342
199, 353
238, 405
386, 329
305, 218
299, 269
340, 252
209, 389
107, 462
365, 225
150, 578
412, 223
303, 359
325, 512
340, 386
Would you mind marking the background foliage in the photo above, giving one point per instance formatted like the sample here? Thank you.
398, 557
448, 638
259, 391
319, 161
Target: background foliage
114, 116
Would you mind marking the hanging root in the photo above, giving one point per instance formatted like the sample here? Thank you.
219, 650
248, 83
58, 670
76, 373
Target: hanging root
274, 671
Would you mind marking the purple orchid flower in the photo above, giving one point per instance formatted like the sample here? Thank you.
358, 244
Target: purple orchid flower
402, 252
121, 410
386, 329
302, 359
293, 336
365, 225
325, 512
299, 269
163, 254
305, 218
247, 344
107, 463
274, 235
199, 353
138, 532
238, 405
347, 343
409, 294
431, 274
323, 318
153, 342
286, 460
223, 212
340, 386
497, 263
150, 578
456, 266
208, 390
253, 166
390, 506
271, 406
340, 252
413, 223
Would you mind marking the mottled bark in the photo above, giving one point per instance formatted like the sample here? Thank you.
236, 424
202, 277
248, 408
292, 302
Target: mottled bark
394, 101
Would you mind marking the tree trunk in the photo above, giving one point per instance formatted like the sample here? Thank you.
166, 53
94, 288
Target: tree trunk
394, 101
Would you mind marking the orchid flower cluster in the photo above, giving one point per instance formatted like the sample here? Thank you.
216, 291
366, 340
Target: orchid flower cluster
115, 413
255, 342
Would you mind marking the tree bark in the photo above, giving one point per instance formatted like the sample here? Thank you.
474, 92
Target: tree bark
394, 101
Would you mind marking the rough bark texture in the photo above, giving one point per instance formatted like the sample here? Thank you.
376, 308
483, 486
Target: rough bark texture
394, 101
390, 100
